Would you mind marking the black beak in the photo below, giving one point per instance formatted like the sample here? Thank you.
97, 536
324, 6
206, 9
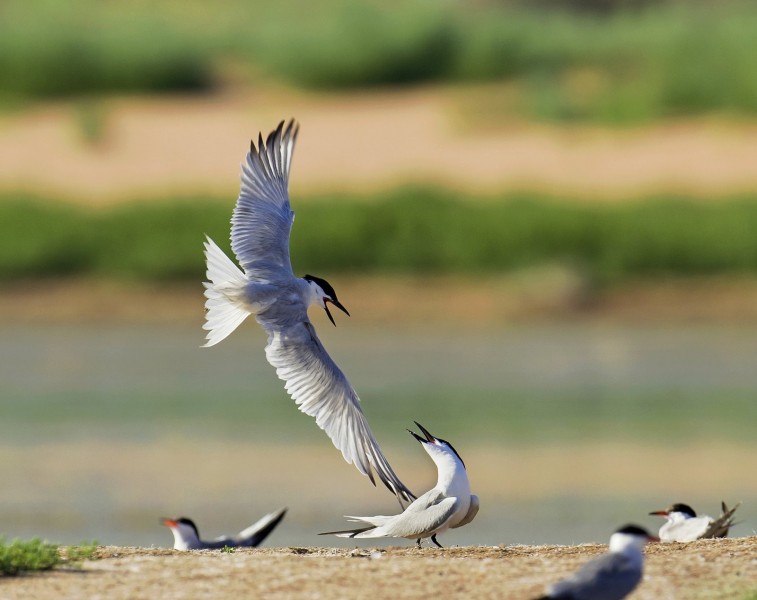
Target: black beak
430, 439
335, 303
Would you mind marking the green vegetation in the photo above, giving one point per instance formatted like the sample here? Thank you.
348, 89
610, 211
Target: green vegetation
408, 230
20, 556
636, 62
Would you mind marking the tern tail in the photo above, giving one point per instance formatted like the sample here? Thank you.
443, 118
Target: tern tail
349, 533
223, 313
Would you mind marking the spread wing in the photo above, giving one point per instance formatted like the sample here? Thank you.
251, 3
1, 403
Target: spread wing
263, 217
321, 390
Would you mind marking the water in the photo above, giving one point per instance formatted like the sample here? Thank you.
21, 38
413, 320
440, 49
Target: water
107, 428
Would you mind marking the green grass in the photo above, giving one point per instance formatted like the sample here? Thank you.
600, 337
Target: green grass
21, 556
405, 231
630, 64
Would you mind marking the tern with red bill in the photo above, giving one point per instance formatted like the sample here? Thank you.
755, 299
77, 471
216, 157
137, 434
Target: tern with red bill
449, 504
611, 576
187, 537
683, 525
267, 288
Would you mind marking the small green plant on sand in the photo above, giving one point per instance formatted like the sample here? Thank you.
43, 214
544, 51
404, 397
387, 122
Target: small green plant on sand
228, 549
19, 556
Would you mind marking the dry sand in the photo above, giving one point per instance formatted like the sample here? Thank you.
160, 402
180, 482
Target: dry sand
362, 141
722, 569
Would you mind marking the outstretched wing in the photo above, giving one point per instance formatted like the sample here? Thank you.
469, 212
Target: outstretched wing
321, 390
263, 217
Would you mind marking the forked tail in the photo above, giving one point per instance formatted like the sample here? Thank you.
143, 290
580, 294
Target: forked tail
223, 310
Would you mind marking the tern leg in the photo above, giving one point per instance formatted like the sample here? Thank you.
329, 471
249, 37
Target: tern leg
433, 539
418, 542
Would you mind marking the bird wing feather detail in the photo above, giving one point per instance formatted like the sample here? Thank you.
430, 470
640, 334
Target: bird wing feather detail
263, 217
321, 390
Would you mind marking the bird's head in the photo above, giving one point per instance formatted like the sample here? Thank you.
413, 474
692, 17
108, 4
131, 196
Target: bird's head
436, 447
324, 293
679, 510
182, 528
630, 536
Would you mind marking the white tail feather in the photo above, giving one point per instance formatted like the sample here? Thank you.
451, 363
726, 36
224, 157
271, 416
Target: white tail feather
225, 280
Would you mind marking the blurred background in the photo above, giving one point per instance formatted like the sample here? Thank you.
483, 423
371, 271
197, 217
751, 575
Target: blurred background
542, 216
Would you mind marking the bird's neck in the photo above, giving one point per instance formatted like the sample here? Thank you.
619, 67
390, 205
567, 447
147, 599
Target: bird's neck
452, 478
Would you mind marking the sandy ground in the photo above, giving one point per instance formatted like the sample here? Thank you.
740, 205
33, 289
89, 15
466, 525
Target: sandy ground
360, 141
723, 569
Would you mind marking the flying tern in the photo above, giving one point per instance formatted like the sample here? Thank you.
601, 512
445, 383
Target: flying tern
683, 524
611, 576
267, 288
449, 504
187, 537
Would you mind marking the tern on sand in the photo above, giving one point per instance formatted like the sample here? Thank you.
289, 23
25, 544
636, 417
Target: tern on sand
448, 505
683, 524
186, 536
268, 289
611, 576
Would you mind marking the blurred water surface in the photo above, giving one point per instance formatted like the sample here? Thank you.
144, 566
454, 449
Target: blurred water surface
105, 428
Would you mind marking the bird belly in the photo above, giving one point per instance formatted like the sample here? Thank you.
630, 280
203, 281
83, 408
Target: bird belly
257, 297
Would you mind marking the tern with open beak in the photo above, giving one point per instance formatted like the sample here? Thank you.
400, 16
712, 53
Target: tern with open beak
267, 288
449, 504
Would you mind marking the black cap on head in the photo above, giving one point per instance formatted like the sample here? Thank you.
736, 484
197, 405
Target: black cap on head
325, 285
188, 522
330, 296
682, 508
633, 530
430, 439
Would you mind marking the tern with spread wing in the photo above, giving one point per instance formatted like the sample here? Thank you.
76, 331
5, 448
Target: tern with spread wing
267, 288
611, 576
187, 537
449, 504
683, 525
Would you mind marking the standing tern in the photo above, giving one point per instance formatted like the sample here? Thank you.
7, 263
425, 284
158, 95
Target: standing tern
187, 537
611, 576
267, 288
683, 524
449, 504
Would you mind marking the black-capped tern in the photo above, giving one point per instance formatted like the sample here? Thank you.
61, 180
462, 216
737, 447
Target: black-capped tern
187, 537
611, 576
449, 504
267, 288
683, 524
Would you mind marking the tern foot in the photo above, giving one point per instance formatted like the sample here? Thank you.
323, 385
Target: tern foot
433, 539
418, 542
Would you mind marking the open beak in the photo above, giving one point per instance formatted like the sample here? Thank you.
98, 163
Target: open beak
660, 513
430, 439
168, 522
335, 303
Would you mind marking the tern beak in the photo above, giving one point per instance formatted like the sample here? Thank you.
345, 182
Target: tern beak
660, 513
430, 439
168, 522
335, 303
